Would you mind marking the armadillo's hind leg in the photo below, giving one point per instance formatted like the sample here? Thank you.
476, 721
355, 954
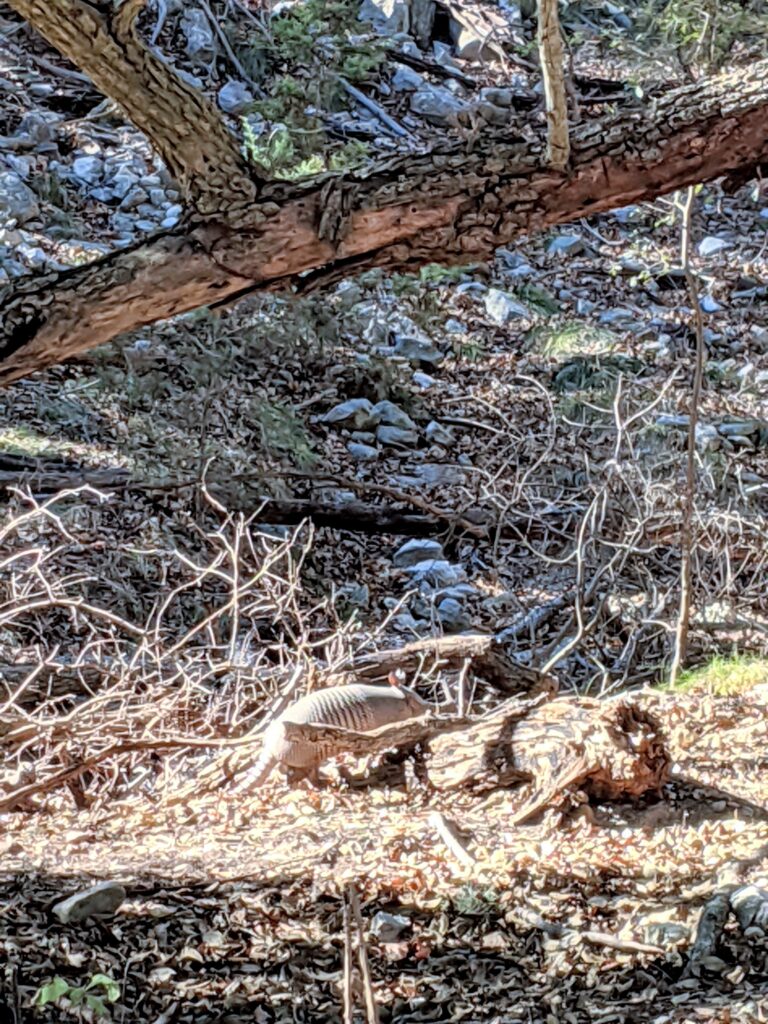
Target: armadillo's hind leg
309, 774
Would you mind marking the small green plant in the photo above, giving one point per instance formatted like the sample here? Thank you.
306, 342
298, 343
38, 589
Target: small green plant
49, 187
282, 431
474, 900
277, 154
538, 298
308, 54
469, 350
100, 990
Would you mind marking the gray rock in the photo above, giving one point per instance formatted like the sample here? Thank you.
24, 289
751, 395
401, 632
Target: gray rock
123, 223
22, 165
396, 437
194, 80
510, 260
234, 97
405, 623
444, 56
388, 927
628, 214
666, 420
88, 169
123, 182
17, 201
417, 349
436, 433
437, 573
146, 225
709, 304
452, 326
437, 105
498, 97
100, 900
356, 411
135, 197
200, 41
32, 255
423, 380
433, 473
711, 244
388, 412
493, 115
349, 293
460, 591
453, 618
502, 307
471, 288
739, 428
469, 43
355, 595
405, 79
618, 16
616, 316
158, 198
571, 244
707, 437
388, 17
149, 212
39, 125
362, 452
417, 550
758, 338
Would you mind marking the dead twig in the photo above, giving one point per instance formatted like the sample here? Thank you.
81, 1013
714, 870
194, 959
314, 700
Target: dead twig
453, 839
371, 1010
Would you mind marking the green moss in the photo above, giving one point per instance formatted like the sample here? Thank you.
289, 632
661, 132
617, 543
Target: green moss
21, 441
571, 339
724, 675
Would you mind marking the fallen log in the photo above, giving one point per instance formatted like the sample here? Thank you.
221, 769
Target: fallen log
608, 749
484, 654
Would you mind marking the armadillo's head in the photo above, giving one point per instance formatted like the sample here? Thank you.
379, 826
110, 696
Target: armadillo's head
413, 701
416, 705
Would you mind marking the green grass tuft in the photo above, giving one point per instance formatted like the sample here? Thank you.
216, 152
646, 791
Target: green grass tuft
724, 676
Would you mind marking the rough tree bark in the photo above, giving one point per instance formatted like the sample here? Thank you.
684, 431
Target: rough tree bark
446, 205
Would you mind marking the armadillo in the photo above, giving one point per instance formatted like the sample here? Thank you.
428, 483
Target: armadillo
359, 707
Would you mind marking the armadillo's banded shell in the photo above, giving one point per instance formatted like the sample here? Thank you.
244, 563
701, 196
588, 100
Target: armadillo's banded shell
359, 707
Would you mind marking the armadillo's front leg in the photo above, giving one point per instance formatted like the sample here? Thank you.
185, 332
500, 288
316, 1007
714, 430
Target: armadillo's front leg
256, 777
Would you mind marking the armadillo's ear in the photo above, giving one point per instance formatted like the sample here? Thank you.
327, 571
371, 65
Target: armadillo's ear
397, 677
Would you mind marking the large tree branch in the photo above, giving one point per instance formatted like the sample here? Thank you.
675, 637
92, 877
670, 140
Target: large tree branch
443, 206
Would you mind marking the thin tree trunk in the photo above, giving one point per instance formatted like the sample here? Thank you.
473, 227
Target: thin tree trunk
689, 494
551, 58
